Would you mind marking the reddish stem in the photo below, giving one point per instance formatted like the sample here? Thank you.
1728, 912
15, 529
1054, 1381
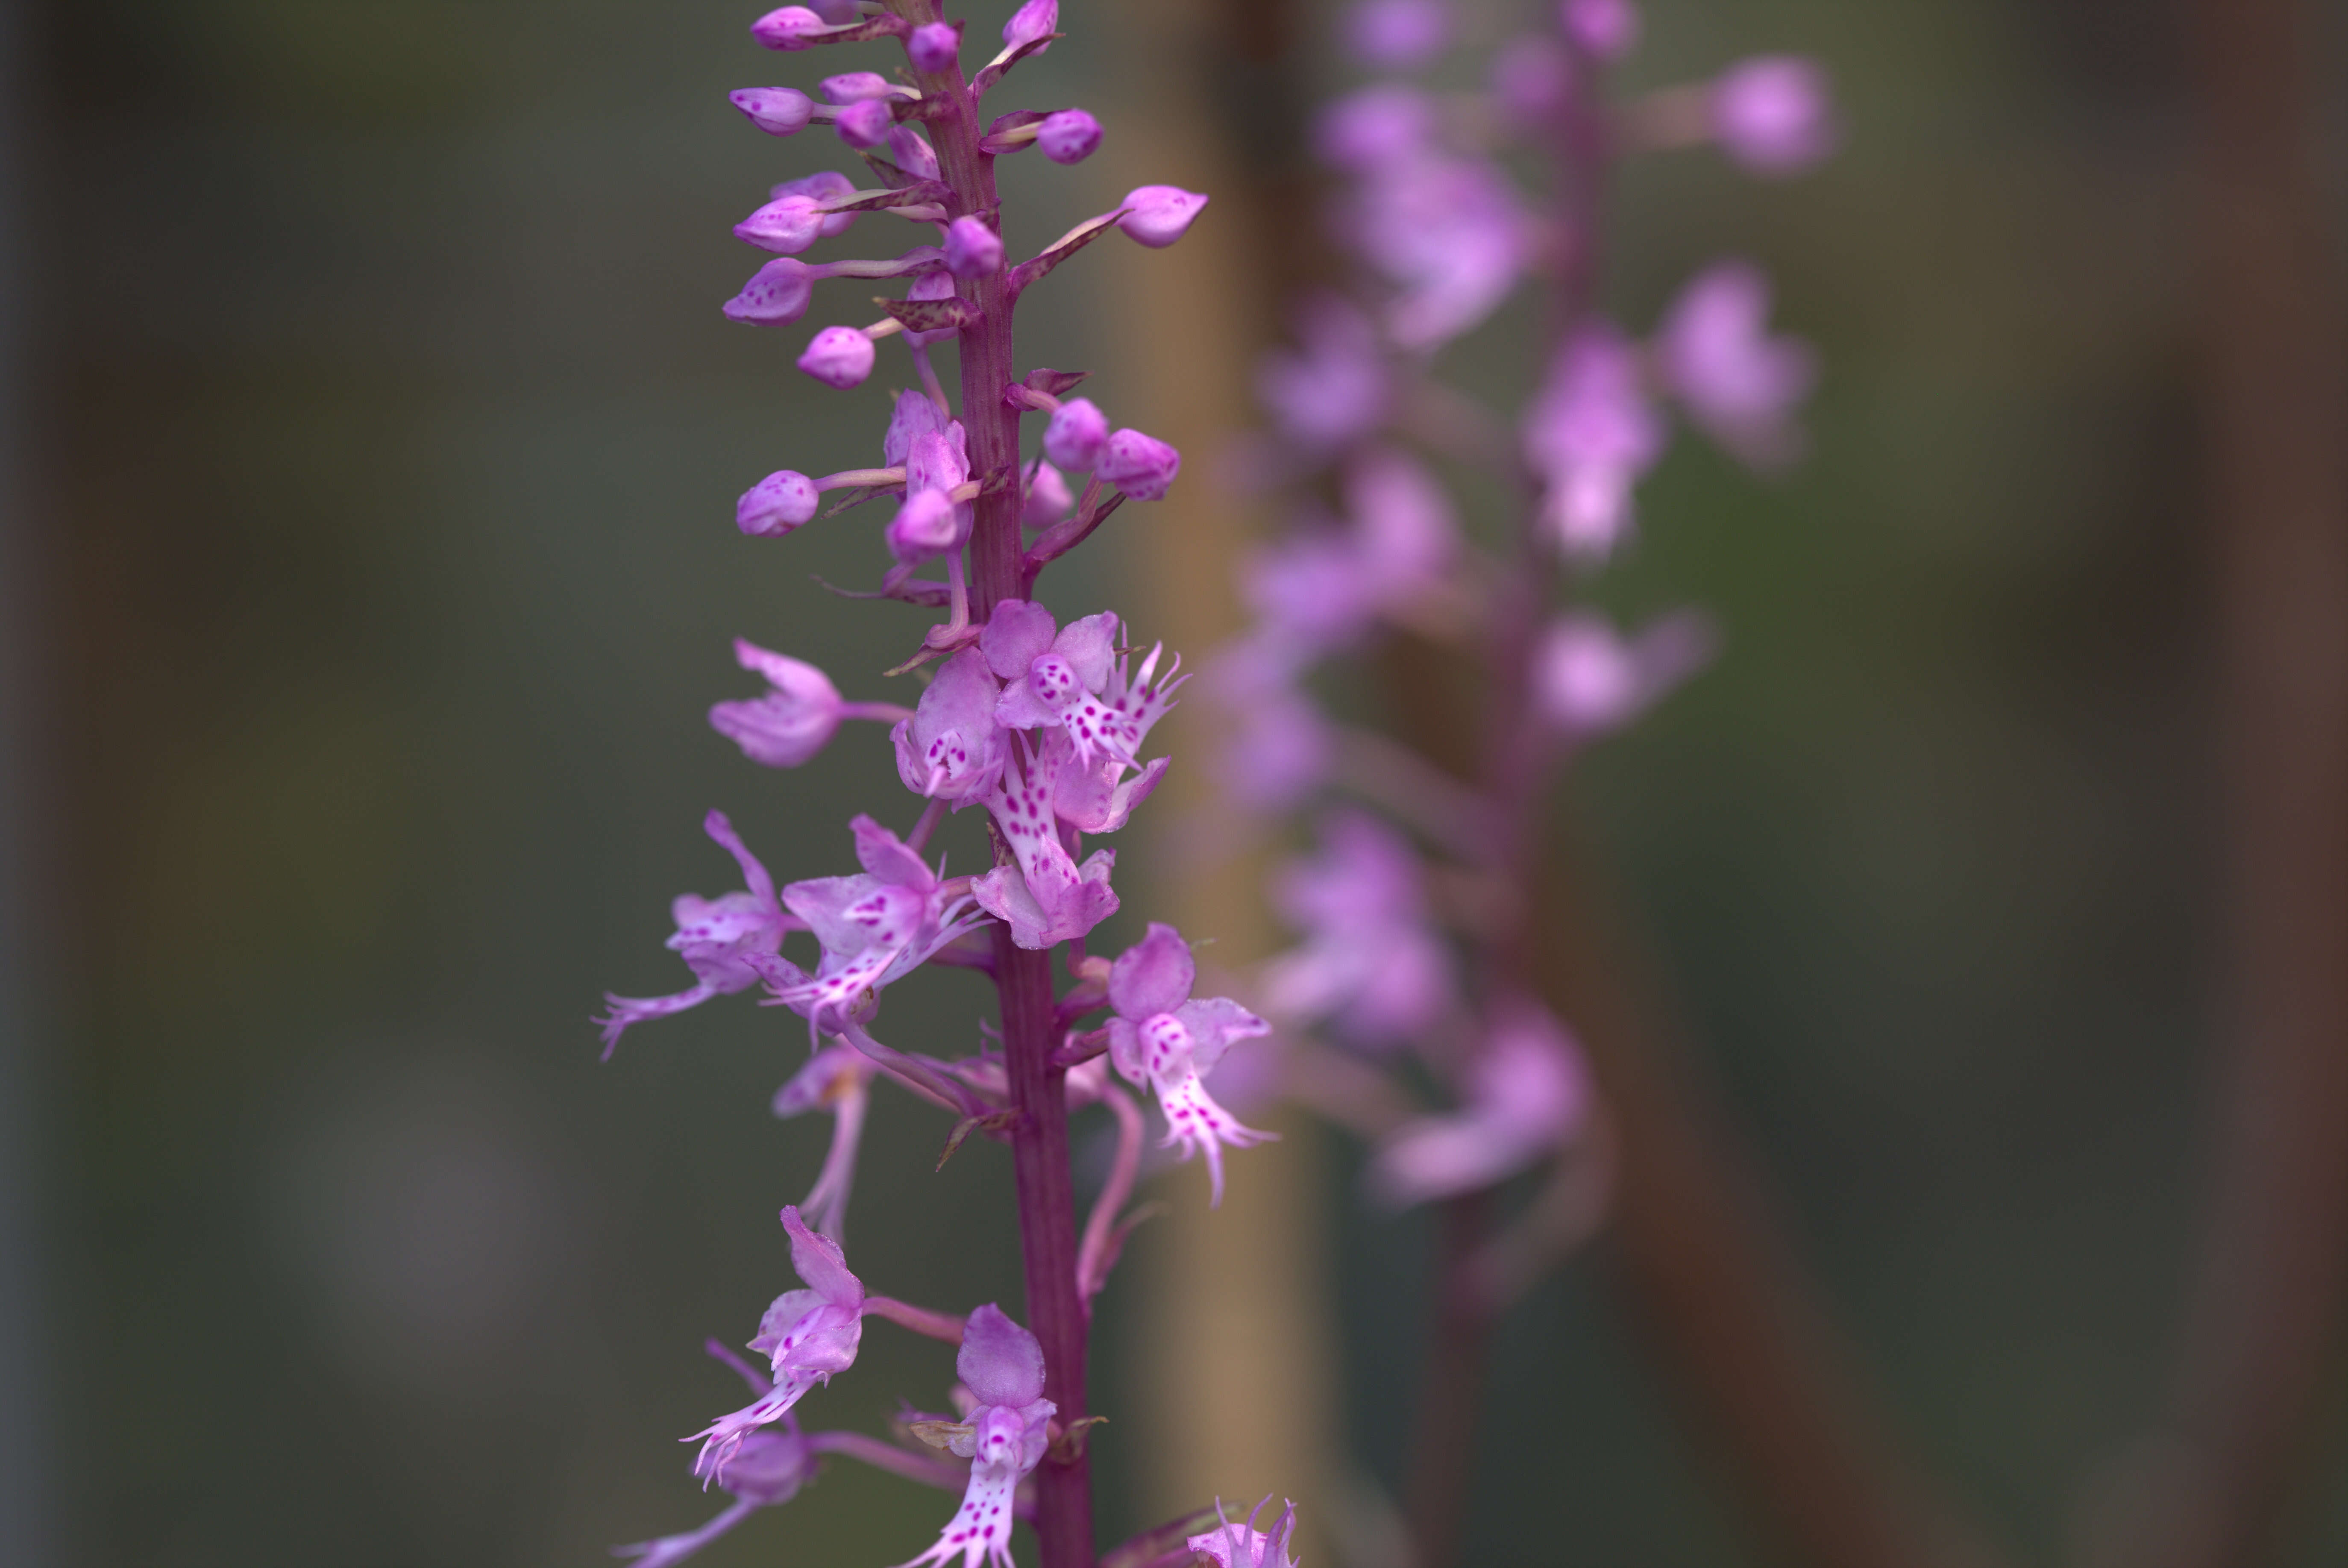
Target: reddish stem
2255, 1394
1509, 821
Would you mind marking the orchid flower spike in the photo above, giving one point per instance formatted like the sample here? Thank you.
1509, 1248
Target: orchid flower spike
807, 1335
1003, 1436
1162, 1041
719, 939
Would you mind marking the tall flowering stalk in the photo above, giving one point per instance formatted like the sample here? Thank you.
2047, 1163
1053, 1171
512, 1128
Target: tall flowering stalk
1039, 722
1417, 962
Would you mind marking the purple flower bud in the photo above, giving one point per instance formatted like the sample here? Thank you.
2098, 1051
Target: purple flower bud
930, 286
776, 504
1141, 465
973, 250
787, 28
787, 226
1032, 21
839, 356
914, 417
1605, 29
1048, 498
778, 111
777, 294
1077, 433
1398, 35
823, 186
855, 87
865, 124
1068, 136
1375, 126
935, 47
1773, 114
911, 153
930, 523
923, 528
938, 460
1160, 213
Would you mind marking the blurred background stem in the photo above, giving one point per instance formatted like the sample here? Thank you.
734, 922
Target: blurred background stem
2256, 1379
26, 1505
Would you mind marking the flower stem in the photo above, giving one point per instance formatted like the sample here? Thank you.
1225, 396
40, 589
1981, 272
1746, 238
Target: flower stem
1511, 781
1039, 1140
1047, 1237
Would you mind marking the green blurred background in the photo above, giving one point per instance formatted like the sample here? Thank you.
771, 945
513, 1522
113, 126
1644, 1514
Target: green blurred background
371, 571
